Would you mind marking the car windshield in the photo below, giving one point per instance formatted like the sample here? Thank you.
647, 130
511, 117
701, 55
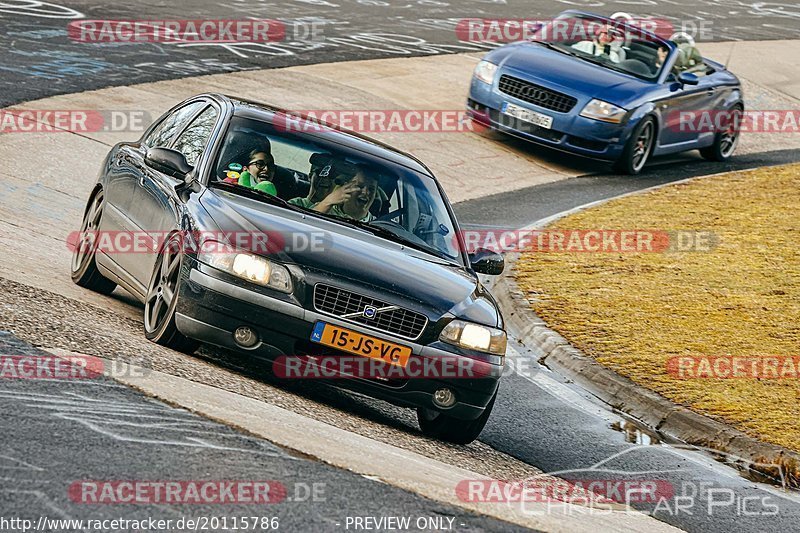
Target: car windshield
352, 187
612, 46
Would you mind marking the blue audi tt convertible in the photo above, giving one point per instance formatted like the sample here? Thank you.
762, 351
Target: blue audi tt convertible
608, 90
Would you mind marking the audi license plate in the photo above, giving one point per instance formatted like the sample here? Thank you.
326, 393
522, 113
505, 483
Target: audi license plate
354, 342
527, 115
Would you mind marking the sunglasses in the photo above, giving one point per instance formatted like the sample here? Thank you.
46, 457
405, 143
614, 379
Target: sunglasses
260, 164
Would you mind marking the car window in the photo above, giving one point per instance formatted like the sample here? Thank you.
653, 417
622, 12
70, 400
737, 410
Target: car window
193, 140
342, 183
292, 155
162, 135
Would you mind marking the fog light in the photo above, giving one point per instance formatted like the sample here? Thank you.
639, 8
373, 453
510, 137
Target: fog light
444, 398
245, 337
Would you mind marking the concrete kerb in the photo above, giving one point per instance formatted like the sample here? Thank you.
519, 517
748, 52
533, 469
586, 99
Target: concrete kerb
399, 467
657, 412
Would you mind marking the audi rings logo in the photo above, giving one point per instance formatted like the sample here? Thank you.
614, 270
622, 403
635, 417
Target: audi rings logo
535, 94
370, 312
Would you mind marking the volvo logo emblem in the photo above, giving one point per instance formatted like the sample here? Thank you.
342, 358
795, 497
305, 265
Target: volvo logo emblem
370, 312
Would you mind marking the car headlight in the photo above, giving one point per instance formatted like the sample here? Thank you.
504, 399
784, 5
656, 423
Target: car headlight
485, 71
600, 110
246, 266
475, 337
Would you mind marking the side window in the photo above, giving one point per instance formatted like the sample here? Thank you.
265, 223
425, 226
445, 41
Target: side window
193, 140
166, 130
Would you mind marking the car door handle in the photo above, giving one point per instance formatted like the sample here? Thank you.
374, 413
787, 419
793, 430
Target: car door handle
711, 90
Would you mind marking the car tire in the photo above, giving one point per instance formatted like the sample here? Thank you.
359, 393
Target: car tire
725, 142
83, 268
163, 292
638, 149
440, 426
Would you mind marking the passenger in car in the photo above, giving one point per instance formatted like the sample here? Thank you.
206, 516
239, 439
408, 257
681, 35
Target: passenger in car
690, 59
351, 198
603, 44
661, 57
259, 171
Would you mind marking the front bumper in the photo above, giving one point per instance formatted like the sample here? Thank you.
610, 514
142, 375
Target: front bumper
570, 132
211, 307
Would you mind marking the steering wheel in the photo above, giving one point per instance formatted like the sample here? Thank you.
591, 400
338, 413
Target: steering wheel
397, 229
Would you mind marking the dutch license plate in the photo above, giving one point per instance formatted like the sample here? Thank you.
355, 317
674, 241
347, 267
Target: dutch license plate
527, 115
356, 343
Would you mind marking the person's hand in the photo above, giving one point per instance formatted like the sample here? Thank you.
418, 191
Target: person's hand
338, 196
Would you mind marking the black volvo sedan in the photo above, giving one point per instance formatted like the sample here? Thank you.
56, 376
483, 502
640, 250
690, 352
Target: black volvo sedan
331, 254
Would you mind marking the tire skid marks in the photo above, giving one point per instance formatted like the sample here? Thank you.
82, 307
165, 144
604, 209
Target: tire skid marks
140, 422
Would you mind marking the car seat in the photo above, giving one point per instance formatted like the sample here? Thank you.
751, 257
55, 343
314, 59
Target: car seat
636, 66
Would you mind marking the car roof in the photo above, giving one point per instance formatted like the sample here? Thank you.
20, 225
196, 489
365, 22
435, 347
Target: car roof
331, 132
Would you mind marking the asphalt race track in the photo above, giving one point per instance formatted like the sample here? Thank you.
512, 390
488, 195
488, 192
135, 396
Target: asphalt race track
72, 422
519, 208
38, 58
539, 419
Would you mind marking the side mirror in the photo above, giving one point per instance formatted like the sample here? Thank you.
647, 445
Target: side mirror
170, 162
688, 78
485, 261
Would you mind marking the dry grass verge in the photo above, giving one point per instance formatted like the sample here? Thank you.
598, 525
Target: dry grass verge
634, 312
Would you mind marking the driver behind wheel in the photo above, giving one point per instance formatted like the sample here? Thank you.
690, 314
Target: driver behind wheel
352, 196
603, 44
